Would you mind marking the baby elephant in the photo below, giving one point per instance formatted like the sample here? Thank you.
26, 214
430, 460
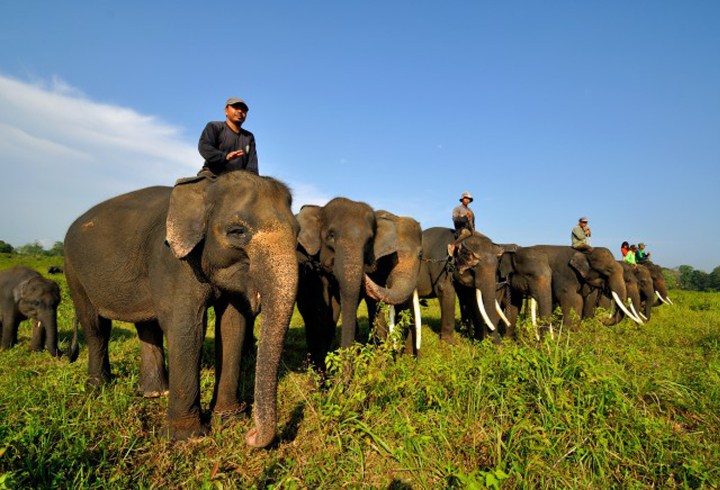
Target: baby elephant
26, 294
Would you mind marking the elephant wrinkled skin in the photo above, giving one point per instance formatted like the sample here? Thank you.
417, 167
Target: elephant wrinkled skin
158, 257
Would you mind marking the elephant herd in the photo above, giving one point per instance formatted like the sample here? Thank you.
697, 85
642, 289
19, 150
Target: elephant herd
160, 257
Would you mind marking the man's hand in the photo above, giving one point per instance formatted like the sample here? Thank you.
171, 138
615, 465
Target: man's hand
587, 231
235, 154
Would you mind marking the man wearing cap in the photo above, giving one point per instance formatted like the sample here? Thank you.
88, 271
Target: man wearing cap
641, 254
225, 146
580, 236
462, 216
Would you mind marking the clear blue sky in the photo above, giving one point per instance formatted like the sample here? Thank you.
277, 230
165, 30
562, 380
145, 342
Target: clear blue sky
544, 111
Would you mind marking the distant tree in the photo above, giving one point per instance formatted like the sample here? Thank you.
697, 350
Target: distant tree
715, 279
31, 249
695, 280
57, 250
672, 278
6, 248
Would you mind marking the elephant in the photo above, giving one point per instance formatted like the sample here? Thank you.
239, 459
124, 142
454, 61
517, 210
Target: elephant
469, 274
525, 273
27, 294
338, 245
658, 283
638, 284
579, 277
400, 267
159, 257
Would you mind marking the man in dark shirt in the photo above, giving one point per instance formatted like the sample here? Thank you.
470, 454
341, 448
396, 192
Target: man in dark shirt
225, 146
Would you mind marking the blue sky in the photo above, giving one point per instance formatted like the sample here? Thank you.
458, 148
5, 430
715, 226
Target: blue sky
544, 111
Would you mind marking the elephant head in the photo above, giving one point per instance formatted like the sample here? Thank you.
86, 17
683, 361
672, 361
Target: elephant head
398, 242
38, 298
528, 274
658, 284
240, 234
600, 270
347, 238
476, 262
647, 291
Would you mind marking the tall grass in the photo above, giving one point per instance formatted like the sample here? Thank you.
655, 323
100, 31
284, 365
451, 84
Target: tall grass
601, 407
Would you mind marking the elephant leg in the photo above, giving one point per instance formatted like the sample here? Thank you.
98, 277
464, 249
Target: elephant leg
447, 315
231, 334
316, 309
9, 332
572, 306
37, 341
185, 337
97, 336
378, 322
153, 373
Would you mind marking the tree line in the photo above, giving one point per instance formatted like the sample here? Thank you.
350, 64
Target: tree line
34, 248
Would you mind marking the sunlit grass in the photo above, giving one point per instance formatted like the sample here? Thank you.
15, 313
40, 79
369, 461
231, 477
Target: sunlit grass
601, 407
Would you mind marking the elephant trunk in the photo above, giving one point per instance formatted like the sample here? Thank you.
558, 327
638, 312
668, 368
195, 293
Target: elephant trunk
349, 273
276, 273
401, 282
48, 322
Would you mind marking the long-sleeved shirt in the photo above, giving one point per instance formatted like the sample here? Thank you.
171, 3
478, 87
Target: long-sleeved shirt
630, 257
578, 236
217, 140
463, 217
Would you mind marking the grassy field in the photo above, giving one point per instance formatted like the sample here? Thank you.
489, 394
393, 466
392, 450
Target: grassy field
602, 407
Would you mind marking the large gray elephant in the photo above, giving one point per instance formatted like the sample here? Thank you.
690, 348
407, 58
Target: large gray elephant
338, 244
158, 257
400, 267
524, 273
27, 294
469, 275
578, 279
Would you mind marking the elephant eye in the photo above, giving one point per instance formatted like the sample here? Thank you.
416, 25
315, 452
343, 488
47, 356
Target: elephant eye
331, 235
237, 232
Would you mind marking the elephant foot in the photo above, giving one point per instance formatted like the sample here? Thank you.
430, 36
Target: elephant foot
187, 428
254, 439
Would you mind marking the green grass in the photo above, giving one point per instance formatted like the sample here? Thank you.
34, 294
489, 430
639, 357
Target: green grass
601, 407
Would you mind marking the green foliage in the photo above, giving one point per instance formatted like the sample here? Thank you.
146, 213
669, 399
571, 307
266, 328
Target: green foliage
695, 280
33, 249
5, 248
625, 406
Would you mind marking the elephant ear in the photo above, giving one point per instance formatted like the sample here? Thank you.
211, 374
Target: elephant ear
386, 235
187, 215
309, 236
580, 263
506, 264
19, 290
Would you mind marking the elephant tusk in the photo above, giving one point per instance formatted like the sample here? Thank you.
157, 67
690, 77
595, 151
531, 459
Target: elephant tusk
640, 314
501, 313
479, 299
661, 298
552, 332
669, 300
624, 308
418, 319
533, 311
391, 318
632, 308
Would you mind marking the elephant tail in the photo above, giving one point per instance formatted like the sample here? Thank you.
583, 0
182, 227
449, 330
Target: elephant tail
74, 349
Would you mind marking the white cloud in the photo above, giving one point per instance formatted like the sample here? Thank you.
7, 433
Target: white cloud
61, 153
